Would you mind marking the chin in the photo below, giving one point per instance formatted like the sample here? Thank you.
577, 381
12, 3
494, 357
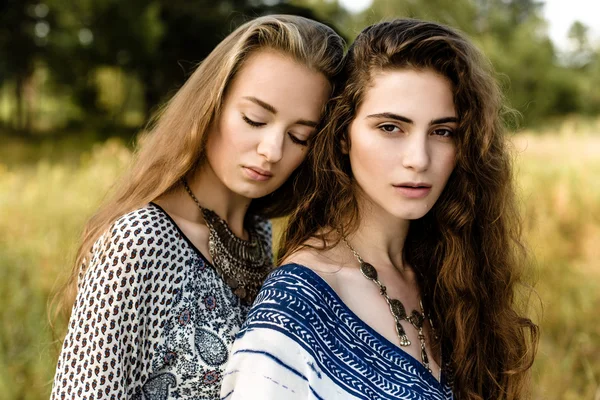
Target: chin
251, 192
409, 215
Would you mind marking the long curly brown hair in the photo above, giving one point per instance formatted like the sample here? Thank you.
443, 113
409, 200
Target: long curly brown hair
468, 248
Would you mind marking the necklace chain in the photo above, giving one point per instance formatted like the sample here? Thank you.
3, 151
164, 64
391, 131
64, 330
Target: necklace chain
242, 264
416, 318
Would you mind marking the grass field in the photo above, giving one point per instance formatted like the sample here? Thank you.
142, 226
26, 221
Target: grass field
47, 190
558, 174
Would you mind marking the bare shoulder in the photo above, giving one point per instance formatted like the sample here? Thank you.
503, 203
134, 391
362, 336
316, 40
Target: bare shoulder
326, 262
312, 255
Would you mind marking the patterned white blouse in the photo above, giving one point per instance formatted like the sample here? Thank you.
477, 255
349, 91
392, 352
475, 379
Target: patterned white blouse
152, 319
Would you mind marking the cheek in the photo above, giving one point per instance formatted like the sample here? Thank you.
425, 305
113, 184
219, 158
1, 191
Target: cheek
292, 159
226, 143
371, 159
235, 134
448, 163
444, 168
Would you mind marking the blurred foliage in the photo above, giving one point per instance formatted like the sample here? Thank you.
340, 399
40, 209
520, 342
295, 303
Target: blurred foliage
107, 64
538, 80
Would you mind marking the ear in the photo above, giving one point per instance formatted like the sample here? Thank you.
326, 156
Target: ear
345, 143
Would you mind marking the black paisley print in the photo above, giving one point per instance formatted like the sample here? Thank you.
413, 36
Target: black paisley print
152, 319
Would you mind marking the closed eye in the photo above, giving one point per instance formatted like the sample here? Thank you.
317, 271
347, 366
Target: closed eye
252, 123
298, 141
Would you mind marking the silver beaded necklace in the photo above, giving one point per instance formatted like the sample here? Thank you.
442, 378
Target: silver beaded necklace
242, 264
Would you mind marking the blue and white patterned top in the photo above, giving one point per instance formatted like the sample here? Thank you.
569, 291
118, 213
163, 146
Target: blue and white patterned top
301, 341
152, 319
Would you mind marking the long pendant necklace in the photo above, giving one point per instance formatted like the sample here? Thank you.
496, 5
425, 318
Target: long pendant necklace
242, 264
416, 318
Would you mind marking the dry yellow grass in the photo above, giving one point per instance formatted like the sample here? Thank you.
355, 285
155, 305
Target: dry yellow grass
558, 175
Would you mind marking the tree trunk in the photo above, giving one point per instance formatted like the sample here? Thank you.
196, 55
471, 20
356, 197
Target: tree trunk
18, 119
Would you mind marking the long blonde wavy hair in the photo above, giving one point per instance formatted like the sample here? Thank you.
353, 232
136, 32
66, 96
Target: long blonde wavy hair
176, 141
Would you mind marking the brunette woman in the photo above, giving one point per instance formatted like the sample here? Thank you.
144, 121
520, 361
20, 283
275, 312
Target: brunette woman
400, 264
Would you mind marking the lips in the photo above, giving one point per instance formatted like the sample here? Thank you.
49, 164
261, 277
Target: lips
413, 190
413, 185
261, 171
257, 174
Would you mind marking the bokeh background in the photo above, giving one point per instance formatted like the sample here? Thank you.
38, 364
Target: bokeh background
79, 80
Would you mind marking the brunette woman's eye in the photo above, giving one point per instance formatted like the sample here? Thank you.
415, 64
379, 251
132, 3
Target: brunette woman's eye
389, 128
252, 123
298, 141
443, 132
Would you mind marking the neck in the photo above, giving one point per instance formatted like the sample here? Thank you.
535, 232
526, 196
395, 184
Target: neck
380, 238
212, 193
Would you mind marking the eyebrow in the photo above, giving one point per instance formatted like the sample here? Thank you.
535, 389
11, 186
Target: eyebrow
389, 115
261, 103
305, 122
273, 110
444, 120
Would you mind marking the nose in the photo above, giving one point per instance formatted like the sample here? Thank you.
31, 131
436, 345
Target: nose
416, 152
271, 145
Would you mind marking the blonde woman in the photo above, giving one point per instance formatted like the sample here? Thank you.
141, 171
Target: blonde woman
169, 266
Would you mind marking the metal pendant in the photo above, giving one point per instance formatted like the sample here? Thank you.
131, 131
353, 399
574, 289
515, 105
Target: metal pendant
416, 319
232, 282
368, 271
424, 356
241, 292
402, 335
397, 309
425, 359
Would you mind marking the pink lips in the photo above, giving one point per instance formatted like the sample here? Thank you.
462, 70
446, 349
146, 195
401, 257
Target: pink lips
257, 174
413, 190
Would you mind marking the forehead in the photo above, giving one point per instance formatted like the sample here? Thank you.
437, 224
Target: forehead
409, 92
280, 80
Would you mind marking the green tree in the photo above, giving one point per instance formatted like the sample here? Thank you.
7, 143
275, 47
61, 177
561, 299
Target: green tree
23, 31
460, 14
578, 33
581, 52
155, 42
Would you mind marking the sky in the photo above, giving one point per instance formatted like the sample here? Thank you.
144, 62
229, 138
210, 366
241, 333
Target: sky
560, 14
